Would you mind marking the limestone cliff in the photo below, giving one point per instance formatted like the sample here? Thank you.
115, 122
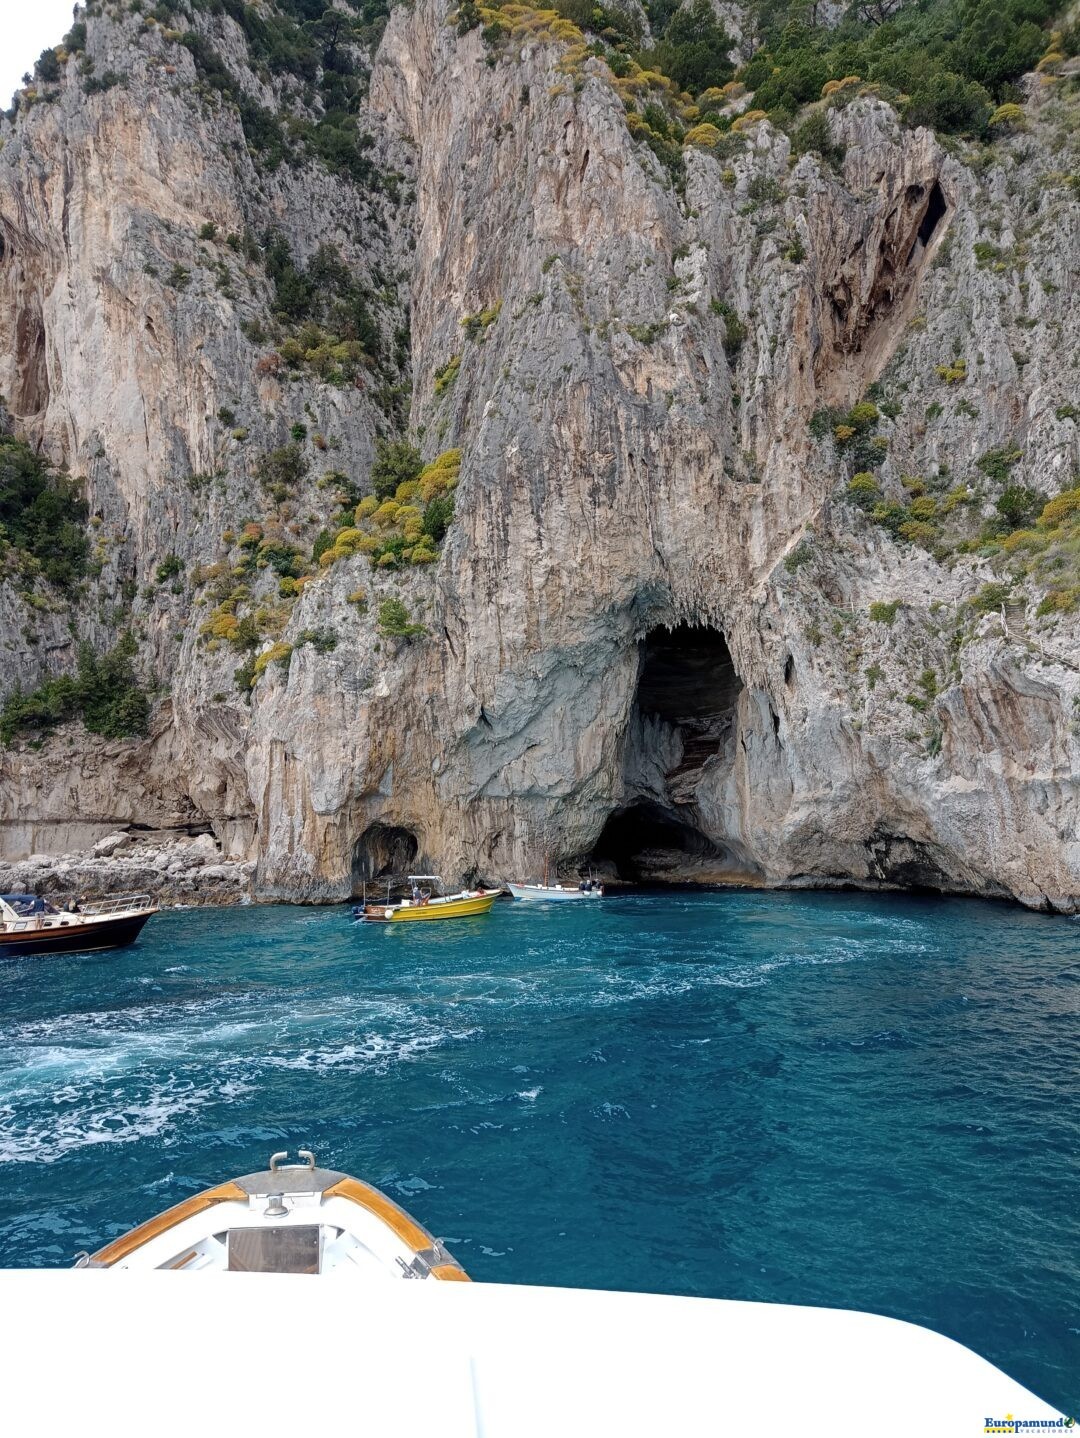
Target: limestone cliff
663, 634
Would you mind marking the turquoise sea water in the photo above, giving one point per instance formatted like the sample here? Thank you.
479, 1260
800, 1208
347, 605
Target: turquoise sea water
869, 1102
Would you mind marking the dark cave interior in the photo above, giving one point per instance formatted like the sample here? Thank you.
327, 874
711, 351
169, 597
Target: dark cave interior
688, 682
383, 851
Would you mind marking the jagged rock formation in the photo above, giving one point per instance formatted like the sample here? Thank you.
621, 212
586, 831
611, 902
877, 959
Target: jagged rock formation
648, 633
177, 870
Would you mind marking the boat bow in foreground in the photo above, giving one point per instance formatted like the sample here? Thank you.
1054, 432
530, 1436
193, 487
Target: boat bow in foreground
287, 1219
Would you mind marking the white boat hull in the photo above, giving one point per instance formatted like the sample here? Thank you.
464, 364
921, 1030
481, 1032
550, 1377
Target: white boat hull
552, 893
435, 1360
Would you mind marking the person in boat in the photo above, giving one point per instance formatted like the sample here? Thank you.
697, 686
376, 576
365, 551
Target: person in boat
416, 895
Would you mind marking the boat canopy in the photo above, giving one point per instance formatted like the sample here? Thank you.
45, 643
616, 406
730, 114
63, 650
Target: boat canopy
26, 905
420, 878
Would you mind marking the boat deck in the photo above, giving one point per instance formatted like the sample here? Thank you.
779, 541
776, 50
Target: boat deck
461, 1360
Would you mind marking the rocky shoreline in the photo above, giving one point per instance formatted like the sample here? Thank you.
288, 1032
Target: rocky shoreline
174, 870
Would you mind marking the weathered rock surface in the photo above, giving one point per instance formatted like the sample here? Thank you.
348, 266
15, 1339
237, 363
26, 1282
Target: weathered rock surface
175, 871
634, 481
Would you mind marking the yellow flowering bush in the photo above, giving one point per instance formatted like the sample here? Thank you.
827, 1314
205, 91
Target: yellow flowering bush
747, 120
278, 653
407, 528
1061, 507
705, 137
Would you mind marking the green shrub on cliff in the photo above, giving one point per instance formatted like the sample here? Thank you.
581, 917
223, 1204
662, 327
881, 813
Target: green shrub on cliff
693, 49
734, 330
395, 621
104, 693
279, 471
990, 597
882, 612
324, 314
864, 491
396, 463
475, 325
42, 518
447, 374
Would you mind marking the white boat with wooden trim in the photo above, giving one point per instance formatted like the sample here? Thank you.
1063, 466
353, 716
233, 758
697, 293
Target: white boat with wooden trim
557, 893
424, 903
292, 1218
476, 1360
30, 924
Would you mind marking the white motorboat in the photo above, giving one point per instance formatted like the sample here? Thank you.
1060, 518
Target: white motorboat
477, 1360
557, 892
472, 1359
291, 1218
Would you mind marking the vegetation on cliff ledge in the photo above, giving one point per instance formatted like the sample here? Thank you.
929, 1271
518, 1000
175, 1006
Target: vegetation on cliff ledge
404, 526
42, 518
986, 511
104, 693
949, 64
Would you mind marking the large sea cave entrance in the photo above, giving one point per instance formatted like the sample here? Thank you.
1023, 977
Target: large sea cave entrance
647, 843
679, 754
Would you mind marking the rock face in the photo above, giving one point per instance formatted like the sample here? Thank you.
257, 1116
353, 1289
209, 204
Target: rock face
175, 870
649, 642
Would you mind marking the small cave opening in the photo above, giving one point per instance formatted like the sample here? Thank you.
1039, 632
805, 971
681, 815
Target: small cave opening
936, 210
383, 851
905, 863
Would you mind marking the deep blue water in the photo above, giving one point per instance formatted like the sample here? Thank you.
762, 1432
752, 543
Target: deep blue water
816, 1098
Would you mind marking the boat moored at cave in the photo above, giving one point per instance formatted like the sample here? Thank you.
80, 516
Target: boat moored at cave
30, 924
424, 904
587, 889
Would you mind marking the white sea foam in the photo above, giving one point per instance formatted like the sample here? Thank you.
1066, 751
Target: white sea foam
373, 1053
138, 1018
102, 1116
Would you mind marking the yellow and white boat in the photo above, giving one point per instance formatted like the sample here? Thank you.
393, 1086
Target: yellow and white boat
422, 905
292, 1218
